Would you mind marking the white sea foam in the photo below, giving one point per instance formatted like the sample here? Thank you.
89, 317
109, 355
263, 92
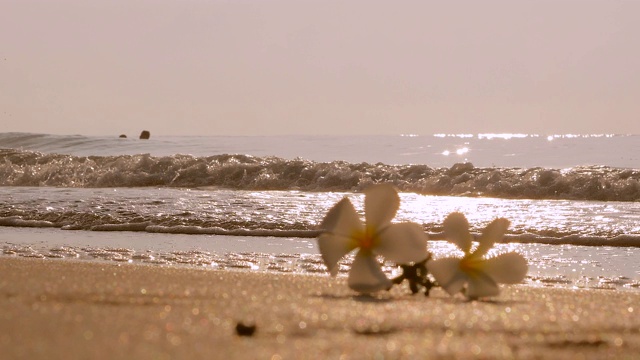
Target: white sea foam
20, 222
297, 214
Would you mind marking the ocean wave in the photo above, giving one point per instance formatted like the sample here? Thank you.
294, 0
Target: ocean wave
245, 172
623, 240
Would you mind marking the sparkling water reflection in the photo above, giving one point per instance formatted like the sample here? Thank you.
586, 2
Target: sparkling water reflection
294, 210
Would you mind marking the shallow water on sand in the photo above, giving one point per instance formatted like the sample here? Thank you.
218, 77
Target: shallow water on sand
549, 265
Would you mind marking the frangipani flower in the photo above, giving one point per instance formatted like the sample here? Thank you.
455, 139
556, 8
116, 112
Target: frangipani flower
481, 275
343, 232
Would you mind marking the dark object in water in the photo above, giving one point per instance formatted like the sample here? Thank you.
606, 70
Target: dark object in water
122, 136
145, 134
245, 330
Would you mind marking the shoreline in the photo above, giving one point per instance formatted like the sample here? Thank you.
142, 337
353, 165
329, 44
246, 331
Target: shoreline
552, 265
76, 309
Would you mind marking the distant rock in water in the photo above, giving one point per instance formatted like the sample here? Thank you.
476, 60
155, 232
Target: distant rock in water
123, 136
145, 134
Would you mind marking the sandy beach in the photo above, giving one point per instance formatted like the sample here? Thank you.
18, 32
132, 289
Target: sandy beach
59, 309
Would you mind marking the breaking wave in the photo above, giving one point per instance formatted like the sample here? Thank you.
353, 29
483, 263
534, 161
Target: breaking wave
245, 172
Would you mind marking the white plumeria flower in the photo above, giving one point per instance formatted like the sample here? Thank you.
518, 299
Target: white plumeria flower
343, 232
481, 275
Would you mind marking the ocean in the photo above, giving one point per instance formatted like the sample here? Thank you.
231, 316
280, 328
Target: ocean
254, 202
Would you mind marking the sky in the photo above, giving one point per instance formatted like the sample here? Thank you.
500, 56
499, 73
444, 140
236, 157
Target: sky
292, 67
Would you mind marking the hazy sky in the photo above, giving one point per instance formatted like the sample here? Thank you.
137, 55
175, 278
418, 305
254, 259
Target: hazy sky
254, 67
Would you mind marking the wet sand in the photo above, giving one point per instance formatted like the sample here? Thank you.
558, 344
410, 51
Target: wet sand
62, 309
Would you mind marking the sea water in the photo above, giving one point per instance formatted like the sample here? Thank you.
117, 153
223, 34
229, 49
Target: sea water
255, 202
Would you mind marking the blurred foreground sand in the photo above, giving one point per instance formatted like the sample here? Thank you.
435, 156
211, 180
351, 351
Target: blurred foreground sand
59, 309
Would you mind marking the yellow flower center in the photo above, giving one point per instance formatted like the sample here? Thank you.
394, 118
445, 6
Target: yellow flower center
366, 239
471, 265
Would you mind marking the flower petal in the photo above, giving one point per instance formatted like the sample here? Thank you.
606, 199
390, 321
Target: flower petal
481, 285
381, 203
492, 233
456, 230
447, 273
333, 248
403, 243
342, 219
366, 276
509, 268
